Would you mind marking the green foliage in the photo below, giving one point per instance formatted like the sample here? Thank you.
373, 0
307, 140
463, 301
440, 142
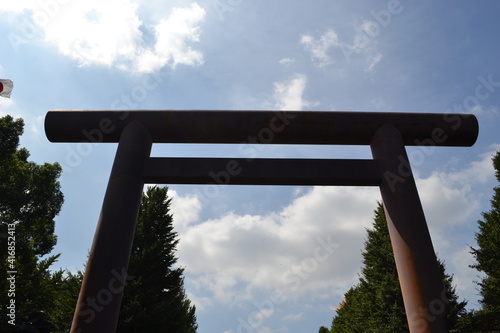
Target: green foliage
66, 287
323, 329
487, 256
30, 194
375, 304
155, 300
30, 198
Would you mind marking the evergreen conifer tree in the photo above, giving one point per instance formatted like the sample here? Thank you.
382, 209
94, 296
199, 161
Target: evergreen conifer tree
375, 304
155, 300
487, 256
30, 198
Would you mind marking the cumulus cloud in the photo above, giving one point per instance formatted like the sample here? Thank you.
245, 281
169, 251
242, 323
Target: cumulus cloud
96, 32
288, 94
111, 33
312, 247
294, 250
172, 35
448, 197
186, 210
464, 275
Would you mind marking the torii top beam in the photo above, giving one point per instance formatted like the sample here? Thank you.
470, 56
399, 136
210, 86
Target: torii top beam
269, 127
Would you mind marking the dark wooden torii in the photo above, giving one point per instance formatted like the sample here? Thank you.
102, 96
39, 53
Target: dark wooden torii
387, 134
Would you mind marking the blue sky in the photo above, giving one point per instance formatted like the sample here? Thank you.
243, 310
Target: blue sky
263, 258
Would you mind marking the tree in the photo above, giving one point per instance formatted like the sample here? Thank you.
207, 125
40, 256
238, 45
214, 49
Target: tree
487, 256
155, 300
30, 198
375, 304
66, 286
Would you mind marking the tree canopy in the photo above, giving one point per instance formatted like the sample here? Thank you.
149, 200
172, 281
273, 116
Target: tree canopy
487, 255
375, 304
155, 300
30, 199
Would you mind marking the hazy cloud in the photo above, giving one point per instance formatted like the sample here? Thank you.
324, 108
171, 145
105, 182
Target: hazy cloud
329, 48
319, 48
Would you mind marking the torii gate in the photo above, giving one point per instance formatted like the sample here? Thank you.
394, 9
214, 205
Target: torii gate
387, 134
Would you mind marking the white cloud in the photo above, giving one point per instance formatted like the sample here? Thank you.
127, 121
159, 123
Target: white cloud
287, 61
5, 104
110, 33
447, 203
17, 6
451, 199
288, 94
186, 210
464, 275
329, 48
172, 35
294, 250
96, 32
448, 197
234, 256
319, 47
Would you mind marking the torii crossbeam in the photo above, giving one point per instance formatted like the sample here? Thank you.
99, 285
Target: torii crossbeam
387, 134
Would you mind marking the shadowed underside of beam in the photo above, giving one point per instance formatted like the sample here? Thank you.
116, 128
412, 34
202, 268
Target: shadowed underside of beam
241, 171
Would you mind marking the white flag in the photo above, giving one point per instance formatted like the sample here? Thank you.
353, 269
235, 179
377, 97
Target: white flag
6, 87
